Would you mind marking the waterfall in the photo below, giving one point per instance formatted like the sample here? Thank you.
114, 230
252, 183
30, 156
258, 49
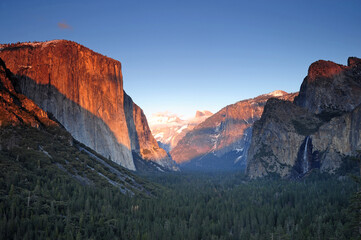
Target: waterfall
305, 156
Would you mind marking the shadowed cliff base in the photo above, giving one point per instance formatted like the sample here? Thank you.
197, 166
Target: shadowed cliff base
84, 126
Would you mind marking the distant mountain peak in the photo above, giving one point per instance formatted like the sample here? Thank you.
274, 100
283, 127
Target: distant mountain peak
222, 140
277, 93
165, 118
168, 128
203, 113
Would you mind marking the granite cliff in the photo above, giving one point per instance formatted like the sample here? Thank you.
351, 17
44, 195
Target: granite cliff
32, 144
83, 90
15, 108
222, 140
319, 129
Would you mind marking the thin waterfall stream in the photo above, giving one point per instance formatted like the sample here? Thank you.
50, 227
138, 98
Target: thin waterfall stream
305, 157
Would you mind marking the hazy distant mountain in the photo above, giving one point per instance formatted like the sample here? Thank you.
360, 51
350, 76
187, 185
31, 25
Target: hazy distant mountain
169, 128
222, 140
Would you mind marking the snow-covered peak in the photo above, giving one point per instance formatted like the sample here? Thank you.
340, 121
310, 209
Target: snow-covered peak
166, 119
277, 93
168, 128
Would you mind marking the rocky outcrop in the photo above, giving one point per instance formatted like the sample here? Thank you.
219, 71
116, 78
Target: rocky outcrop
330, 87
84, 92
223, 139
319, 129
15, 108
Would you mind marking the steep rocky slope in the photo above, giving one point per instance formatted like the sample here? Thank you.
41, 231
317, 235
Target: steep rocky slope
222, 140
169, 128
84, 92
319, 129
15, 108
31, 144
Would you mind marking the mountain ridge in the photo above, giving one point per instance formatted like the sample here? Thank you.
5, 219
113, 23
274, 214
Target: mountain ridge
224, 135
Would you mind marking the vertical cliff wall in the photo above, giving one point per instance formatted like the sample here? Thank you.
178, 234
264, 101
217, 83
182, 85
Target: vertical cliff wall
326, 112
15, 108
142, 141
84, 92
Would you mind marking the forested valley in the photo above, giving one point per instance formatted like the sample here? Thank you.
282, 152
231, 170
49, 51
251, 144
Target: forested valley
40, 203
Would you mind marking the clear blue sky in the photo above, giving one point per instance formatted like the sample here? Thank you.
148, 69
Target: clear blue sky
187, 55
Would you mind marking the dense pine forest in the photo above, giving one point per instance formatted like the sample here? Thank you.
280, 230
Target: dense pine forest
39, 203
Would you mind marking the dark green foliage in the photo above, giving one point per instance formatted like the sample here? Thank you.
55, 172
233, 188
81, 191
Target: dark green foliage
43, 203
355, 205
41, 199
348, 166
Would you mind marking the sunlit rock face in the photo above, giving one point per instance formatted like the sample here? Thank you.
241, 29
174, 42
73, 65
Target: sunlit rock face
327, 112
222, 140
330, 87
84, 92
15, 108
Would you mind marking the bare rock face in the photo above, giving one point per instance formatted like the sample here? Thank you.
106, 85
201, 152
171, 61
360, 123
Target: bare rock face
225, 136
338, 138
142, 140
281, 126
84, 92
319, 129
330, 87
15, 108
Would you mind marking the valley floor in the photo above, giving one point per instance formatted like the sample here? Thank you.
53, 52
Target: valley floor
183, 206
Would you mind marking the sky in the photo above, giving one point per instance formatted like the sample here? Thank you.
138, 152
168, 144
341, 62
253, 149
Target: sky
183, 56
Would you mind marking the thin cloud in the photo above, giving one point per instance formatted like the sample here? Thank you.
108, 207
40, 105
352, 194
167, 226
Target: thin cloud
63, 25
